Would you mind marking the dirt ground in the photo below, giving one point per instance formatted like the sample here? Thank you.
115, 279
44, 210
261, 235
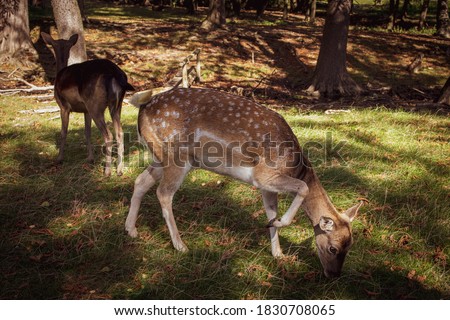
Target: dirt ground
271, 60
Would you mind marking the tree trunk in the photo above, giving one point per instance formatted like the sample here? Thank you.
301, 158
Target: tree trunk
68, 22
404, 12
286, 8
189, 4
260, 8
393, 9
216, 15
444, 96
423, 13
312, 12
442, 19
330, 76
236, 4
15, 41
82, 7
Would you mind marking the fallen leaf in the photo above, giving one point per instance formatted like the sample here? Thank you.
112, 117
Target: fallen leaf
45, 204
36, 258
257, 214
439, 257
404, 241
310, 276
105, 270
372, 293
421, 279
411, 274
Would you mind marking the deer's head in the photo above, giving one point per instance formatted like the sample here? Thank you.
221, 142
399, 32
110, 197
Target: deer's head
334, 239
61, 48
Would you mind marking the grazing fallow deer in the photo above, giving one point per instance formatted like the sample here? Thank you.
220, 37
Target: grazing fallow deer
231, 135
89, 87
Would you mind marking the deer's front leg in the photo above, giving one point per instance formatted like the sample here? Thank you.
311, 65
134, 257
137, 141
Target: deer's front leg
64, 128
87, 133
270, 200
283, 183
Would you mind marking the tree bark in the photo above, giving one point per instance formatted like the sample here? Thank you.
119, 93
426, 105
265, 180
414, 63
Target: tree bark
68, 22
393, 9
423, 13
444, 96
330, 76
15, 41
442, 19
190, 7
260, 8
312, 12
216, 15
404, 12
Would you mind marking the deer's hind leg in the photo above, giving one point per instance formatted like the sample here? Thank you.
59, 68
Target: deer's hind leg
115, 110
143, 183
173, 176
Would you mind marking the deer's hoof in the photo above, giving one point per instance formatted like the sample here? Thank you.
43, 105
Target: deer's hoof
274, 223
107, 172
133, 233
181, 247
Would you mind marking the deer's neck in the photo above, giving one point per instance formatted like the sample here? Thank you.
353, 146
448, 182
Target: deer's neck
317, 203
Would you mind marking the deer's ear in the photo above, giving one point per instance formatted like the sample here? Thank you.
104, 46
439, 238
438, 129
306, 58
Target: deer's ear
73, 39
353, 211
326, 224
47, 38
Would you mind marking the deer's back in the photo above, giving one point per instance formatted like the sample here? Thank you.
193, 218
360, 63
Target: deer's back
227, 127
94, 78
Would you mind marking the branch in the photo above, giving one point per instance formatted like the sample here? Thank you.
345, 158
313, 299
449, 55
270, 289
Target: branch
31, 88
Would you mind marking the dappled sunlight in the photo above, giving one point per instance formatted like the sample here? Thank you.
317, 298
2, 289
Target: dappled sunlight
62, 226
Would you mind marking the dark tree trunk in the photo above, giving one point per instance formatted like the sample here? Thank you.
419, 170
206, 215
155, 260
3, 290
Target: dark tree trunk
286, 8
68, 22
236, 4
423, 13
260, 8
312, 12
83, 13
393, 9
15, 41
404, 12
330, 76
444, 96
302, 6
189, 4
442, 19
216, 15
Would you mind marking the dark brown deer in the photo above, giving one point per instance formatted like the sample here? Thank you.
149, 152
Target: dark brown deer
89, 87
231, 135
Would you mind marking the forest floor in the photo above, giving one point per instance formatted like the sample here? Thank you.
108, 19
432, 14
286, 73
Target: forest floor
62, 226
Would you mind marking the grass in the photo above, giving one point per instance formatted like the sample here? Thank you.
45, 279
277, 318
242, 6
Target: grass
62, 227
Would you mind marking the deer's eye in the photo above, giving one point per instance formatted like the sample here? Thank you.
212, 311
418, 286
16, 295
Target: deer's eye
333, 250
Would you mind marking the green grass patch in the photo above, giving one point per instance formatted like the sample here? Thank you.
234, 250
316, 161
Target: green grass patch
62, 227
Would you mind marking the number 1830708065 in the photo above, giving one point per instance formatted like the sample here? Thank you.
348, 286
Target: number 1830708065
296, 309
